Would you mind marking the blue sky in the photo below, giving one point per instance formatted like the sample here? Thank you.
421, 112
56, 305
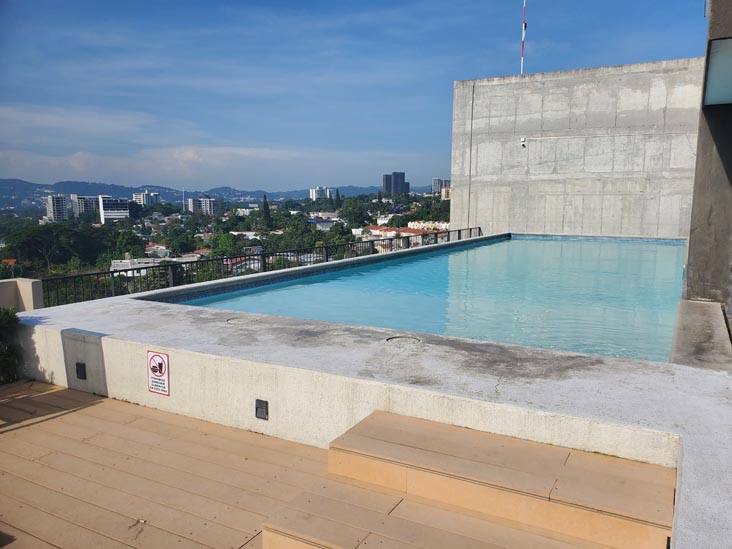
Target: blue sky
280, 95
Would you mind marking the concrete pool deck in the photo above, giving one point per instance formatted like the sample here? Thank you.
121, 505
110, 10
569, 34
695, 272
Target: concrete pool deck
625, 407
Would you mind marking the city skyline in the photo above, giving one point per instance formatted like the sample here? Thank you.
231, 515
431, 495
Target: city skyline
278, 97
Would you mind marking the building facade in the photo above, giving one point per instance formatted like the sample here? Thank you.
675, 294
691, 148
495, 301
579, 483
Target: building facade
83, 204
205, 206
113, 209
607, 151
709, 264
146, 198
438, 184
57, 208
395, 184
321, 192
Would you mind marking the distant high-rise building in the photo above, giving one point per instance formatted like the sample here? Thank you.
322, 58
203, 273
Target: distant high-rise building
445, 192
386, 187
83, 204
57, 208
321, 192
113, 209
146, 198
206, 206
399, 185
395, 184
436, 185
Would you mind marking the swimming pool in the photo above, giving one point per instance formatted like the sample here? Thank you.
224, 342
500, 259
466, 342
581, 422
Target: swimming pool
615, 297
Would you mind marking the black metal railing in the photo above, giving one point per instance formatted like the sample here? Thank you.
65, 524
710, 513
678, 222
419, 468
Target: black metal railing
88, 286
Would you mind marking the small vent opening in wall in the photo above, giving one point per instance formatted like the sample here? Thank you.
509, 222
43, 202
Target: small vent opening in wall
81, 370
261, 409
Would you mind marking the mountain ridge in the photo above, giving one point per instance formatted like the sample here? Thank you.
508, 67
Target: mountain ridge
18, 193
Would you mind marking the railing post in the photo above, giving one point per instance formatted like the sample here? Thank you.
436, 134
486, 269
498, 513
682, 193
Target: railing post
372, 247
171, 279
111, 279
263, 263
223, 274
325, 254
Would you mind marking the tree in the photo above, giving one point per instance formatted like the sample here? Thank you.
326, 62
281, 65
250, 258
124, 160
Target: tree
338, 200
355, 213
135, 211
299, 234
129, 243
397, 221
226, 245
280, 263
379, 197
181, 244
10, 271
10, 353
266, 214
338, 234
42, 243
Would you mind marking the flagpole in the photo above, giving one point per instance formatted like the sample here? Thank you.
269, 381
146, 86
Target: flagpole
523, 38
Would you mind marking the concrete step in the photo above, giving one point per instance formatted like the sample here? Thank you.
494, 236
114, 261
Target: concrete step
601, 499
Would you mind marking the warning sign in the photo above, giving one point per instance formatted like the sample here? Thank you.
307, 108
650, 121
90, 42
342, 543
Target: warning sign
158, 373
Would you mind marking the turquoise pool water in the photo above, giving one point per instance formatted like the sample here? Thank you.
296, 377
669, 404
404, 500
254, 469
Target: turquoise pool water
607, 297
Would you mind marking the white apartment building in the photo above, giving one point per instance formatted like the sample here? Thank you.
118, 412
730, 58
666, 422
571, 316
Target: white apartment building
321, 192
113, 209
83, 204
206, 206
431, 225
57, 208
146, 198
439, 184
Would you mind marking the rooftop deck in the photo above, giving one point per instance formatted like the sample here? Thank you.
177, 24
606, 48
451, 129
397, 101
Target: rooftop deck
78, 470
339, 374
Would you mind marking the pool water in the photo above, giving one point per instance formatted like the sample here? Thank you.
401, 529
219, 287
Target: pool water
605, 296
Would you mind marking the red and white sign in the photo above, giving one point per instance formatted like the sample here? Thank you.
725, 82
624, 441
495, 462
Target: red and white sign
158, 373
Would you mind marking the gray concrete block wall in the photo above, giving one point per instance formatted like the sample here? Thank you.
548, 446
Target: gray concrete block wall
609, 151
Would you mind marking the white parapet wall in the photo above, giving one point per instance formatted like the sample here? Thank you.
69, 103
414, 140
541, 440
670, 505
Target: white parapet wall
307, 406
604, 152
22, 294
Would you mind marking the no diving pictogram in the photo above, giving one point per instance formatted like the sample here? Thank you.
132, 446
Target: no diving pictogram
158, 373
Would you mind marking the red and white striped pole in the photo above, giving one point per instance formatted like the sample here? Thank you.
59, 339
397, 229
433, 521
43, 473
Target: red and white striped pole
523, 38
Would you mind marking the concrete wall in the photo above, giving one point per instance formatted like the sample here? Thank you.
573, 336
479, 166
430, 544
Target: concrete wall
22, 294
609, 151
709, 273
307, 406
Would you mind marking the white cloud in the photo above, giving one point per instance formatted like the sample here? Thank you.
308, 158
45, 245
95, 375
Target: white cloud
71, 128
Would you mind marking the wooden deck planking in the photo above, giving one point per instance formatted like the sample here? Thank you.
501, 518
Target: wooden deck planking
97, 466
51, 529
19, 539
125, 529
77, 470
167, 518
